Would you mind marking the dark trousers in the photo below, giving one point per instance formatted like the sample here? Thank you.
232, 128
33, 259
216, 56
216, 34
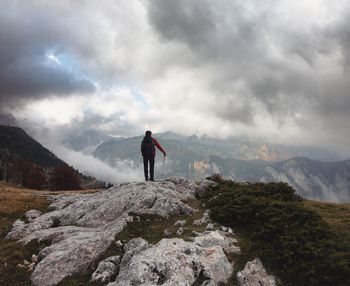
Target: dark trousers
151, 167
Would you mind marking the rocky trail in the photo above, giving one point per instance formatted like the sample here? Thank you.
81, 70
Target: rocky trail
183, 246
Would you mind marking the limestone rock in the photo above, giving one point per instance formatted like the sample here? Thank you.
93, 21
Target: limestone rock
197, 222
180, 222
133, 247
204, 219
106, 269
254, 274
135, 243
174, 262
180, 231
18, 224
118, 244
82, 226
210, 226
204, 187
227, 229
217, 238
167, 232
32, 214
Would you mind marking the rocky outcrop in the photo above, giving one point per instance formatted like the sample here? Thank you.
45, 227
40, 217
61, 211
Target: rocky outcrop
254, 274
82, 226
173, 261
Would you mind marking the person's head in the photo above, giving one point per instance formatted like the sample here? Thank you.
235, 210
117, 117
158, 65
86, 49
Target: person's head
148, 133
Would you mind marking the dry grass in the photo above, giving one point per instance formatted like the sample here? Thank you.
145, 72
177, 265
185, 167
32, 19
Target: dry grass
336, 215
14, 202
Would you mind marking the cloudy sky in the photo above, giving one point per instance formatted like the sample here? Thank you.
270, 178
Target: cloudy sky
273, 69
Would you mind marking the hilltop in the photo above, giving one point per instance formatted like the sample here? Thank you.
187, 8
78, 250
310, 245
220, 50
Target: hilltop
161, 233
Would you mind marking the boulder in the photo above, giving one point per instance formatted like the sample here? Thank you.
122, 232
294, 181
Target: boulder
174, 262
32, 214
205, 219
254, 274
217, 238
106, 269
204, 188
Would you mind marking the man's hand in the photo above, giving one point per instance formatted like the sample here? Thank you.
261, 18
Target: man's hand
164, 154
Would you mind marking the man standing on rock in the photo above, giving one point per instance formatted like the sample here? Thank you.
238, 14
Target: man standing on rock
148, 151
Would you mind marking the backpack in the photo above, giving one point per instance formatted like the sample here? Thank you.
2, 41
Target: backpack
148, 149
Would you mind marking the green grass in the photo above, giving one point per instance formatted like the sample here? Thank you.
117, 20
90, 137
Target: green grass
151, 227
292, 239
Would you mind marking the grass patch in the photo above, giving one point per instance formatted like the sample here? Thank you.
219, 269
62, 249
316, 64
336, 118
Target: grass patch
336, 215
290, 237
14, 202
79, 280
152, 227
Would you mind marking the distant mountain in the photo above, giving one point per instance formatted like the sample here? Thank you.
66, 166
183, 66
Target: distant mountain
18, 142
327, 181
203, 147
84, 140
197, 157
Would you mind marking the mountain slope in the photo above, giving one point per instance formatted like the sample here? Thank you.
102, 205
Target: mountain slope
85, 139
18, 142
197, 158
312, 179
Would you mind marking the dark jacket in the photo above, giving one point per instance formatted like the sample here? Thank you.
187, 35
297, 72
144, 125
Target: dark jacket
156, 143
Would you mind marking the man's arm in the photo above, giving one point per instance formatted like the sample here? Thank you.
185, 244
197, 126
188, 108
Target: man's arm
159, 146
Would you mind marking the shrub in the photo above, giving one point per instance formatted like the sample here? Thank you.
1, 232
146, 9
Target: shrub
295, 243
64, 178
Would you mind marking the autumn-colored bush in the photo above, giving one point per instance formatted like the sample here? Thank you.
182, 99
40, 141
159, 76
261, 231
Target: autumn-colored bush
64, 177
27, 174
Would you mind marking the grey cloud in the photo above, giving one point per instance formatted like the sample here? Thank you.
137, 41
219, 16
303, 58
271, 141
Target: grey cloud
236, 37
27, 34
284, 68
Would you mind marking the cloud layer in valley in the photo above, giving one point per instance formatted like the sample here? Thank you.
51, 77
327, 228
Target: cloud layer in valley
277, 70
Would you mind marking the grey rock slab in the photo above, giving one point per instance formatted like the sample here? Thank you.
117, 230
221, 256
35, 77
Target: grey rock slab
74, 254
82, 226
174, 262
217, 238
254, 274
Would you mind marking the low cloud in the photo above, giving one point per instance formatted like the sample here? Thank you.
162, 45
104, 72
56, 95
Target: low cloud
123, 171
